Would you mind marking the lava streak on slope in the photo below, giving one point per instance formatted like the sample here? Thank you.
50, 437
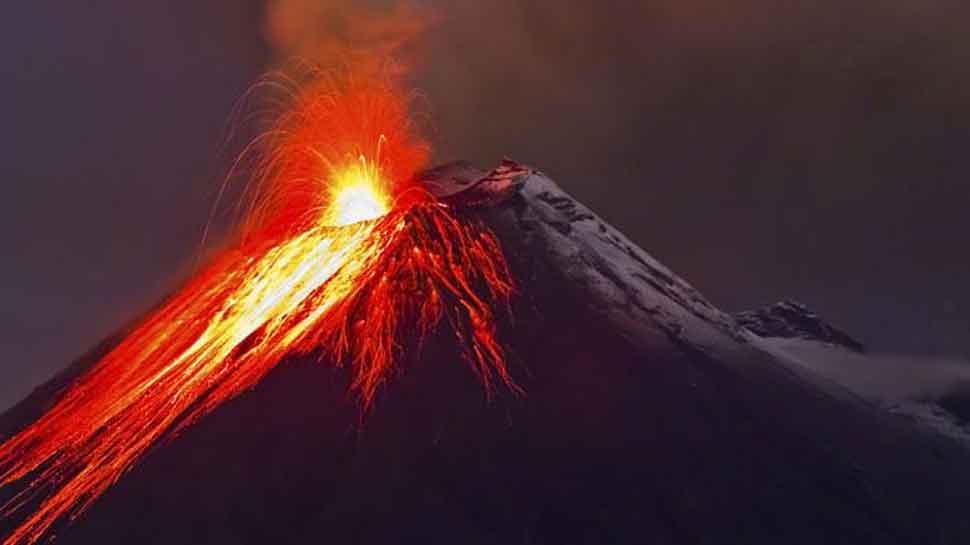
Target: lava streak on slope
342, 255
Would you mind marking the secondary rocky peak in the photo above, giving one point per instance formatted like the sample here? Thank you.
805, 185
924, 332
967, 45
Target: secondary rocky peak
790, 319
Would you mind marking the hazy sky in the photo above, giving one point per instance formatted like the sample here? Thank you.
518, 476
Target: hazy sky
762, 149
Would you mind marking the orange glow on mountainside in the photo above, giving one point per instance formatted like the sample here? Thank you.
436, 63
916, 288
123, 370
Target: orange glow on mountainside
342, 256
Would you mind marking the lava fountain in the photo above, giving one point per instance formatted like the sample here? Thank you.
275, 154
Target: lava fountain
342, 255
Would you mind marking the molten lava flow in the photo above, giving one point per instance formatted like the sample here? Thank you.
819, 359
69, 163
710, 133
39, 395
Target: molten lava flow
340, 257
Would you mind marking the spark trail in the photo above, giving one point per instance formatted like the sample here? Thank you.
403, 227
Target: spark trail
341, 256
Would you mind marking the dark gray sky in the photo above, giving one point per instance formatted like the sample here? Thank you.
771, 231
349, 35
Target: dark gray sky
762, 149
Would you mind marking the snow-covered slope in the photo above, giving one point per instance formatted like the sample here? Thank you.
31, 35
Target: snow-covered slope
917, 388
931, 392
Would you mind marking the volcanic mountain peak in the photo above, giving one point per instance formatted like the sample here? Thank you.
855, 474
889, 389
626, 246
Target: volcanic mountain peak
649, 416
625, 285
789, 319
463, 185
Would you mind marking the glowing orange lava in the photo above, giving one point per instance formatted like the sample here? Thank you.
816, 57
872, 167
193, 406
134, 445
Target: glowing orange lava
341, 256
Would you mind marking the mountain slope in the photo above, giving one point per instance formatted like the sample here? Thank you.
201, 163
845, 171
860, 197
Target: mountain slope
649, 417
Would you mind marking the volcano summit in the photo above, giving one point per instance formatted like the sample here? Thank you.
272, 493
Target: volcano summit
628, 410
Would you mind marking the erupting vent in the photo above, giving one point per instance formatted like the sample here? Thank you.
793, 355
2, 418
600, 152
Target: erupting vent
341, 254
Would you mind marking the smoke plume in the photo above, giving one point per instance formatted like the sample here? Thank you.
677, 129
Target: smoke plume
361, 33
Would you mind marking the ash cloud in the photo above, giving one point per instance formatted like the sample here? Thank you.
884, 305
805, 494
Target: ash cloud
331, 32
762, 150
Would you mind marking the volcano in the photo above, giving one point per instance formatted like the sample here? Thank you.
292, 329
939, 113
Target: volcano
640, 413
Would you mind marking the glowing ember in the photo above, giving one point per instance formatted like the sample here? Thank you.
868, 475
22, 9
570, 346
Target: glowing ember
325, 264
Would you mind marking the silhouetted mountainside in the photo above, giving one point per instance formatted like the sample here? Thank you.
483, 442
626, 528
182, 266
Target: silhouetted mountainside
649, 416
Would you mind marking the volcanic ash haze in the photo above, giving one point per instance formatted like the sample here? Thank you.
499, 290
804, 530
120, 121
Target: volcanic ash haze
648, 416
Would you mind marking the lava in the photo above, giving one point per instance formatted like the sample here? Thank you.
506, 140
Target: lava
342, 256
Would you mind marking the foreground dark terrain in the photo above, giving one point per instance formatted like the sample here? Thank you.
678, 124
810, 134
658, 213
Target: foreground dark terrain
649, 416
